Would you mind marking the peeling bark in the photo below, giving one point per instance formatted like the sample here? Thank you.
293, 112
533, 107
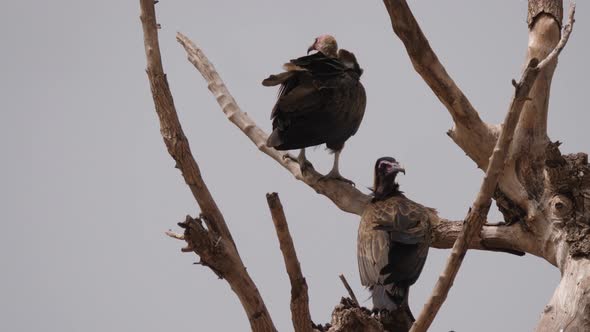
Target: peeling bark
569, 308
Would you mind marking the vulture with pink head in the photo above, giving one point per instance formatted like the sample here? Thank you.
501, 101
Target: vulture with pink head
393, 240
321, 101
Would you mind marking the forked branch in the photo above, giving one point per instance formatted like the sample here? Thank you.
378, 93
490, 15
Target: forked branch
473, 135
478, 213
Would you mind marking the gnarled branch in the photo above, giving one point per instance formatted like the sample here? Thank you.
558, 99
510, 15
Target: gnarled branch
214, 244
526, 162
472, 134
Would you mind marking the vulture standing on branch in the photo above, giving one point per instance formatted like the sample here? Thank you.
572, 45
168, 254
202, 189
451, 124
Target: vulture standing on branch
393, 240
321, 100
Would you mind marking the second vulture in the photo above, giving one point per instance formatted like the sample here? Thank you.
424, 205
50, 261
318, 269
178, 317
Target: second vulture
321, 100
393, 240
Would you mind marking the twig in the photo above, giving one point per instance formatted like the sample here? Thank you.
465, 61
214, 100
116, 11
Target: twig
473, 135
346, 197
478, 213
299, 298
215, 244
350, 292
174, 235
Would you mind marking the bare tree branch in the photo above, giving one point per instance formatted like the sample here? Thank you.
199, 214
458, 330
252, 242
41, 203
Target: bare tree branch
213, 244
349, 290
478, 213
513, 239
346, 197
300, 315
170, 127
473, 135
527, 155
548, 7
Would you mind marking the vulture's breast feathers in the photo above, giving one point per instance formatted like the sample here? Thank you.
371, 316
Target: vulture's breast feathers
407, 221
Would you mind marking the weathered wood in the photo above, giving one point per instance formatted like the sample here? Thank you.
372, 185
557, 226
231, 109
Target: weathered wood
473, 135
569, 307
479, 211
548, 7
522, 184
214, 244
300, 315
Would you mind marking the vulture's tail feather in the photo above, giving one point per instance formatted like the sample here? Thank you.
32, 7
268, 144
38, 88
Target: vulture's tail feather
398, 294
274, 140
389, 297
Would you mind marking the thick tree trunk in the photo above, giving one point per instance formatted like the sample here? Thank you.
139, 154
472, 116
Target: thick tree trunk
569, 308
565, 217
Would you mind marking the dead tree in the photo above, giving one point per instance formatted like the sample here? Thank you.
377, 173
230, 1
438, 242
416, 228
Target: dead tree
543, 195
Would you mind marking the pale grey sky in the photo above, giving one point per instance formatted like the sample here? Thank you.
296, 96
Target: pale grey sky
87, 187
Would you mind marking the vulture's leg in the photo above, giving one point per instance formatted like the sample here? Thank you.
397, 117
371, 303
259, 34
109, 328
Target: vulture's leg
304, 164
335, 173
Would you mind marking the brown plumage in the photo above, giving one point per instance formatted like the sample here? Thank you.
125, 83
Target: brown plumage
393, 239
321, 100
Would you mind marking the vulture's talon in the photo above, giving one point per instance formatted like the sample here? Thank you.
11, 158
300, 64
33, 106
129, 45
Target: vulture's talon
304, 165
336, 176
288, 156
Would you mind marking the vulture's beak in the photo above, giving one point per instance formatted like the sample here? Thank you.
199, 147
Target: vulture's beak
311, 48
397, 167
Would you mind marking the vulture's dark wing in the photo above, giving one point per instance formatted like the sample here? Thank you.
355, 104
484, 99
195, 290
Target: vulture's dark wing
315, 101
396, 249
349, 60
372, 249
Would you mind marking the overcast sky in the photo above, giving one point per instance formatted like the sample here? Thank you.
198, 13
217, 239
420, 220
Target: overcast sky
87, 187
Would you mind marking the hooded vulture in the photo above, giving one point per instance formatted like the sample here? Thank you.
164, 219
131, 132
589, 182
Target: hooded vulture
321, 100
393, 240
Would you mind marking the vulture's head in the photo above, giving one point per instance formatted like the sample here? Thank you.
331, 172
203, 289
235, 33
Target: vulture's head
325, 44
386, 169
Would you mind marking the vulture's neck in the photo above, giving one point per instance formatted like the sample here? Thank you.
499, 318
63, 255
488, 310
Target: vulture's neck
330, 53
385, 190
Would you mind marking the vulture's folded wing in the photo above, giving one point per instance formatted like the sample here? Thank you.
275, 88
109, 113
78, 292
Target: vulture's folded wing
408, 228
349, 60
372, 249
405, 262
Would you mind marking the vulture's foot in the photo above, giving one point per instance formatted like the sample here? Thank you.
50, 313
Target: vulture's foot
335, 175
304, 164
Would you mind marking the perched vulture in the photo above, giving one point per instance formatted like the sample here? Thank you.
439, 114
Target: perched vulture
321, 100
393, 240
